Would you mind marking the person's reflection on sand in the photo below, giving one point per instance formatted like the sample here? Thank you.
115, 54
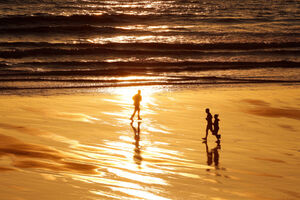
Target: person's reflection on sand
213, 155
137, 150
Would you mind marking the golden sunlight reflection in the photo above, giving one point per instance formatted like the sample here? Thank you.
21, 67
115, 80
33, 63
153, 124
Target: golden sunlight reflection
139, 193
116, 154
137, 177
158, 28
101, 180
135, 38
77, 117
125, 94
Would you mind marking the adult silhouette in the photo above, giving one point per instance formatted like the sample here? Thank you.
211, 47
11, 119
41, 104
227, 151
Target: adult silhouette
137, 98
209, 123
137, 150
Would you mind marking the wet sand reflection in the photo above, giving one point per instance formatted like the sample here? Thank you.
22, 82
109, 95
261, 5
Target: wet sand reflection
158, 158
262, 108
213, 155
137, 150
26, 155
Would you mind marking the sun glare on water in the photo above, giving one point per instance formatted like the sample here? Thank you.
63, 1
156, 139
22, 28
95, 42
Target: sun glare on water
125, 94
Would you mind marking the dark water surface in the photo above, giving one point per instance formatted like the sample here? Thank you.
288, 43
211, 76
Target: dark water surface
83, 44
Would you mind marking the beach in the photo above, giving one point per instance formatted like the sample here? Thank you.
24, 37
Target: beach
69, 70
83, 145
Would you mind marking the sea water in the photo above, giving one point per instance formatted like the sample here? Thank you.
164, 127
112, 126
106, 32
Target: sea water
94, 44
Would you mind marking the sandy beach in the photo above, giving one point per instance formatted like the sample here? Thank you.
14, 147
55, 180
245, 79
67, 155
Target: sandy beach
69, 70
83, 146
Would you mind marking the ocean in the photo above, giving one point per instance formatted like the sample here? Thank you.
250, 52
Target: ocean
72, 44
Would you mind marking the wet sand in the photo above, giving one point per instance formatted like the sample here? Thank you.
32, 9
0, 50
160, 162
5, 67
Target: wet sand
83, 146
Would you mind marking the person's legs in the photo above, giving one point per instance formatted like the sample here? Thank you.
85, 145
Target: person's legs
215, 133
138, 110
210, 127
133, 114
212, 132
206, 132
218, 136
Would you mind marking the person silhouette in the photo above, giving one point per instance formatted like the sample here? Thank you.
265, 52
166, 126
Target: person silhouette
216, 127
137, 98
137, 150
209, 123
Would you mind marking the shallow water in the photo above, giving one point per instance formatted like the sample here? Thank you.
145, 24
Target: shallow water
85, 147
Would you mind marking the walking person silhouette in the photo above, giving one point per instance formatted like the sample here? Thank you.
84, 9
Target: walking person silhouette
137, 98
209, 123
216, 127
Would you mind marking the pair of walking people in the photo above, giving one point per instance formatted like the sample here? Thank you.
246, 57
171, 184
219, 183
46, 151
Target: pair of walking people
212, 126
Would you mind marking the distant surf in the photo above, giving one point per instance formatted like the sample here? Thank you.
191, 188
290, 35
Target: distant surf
97, 44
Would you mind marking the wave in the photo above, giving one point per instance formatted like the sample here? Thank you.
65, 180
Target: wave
73, 30
91, 30
123, 18
89, 84
164, 46
18, 53
77, 19
161, 64
80, 69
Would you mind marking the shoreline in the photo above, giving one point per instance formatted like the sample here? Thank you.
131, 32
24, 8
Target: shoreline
161, 87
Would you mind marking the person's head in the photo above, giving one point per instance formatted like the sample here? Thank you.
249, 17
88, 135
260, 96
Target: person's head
216, 116
207, 110
139, 91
